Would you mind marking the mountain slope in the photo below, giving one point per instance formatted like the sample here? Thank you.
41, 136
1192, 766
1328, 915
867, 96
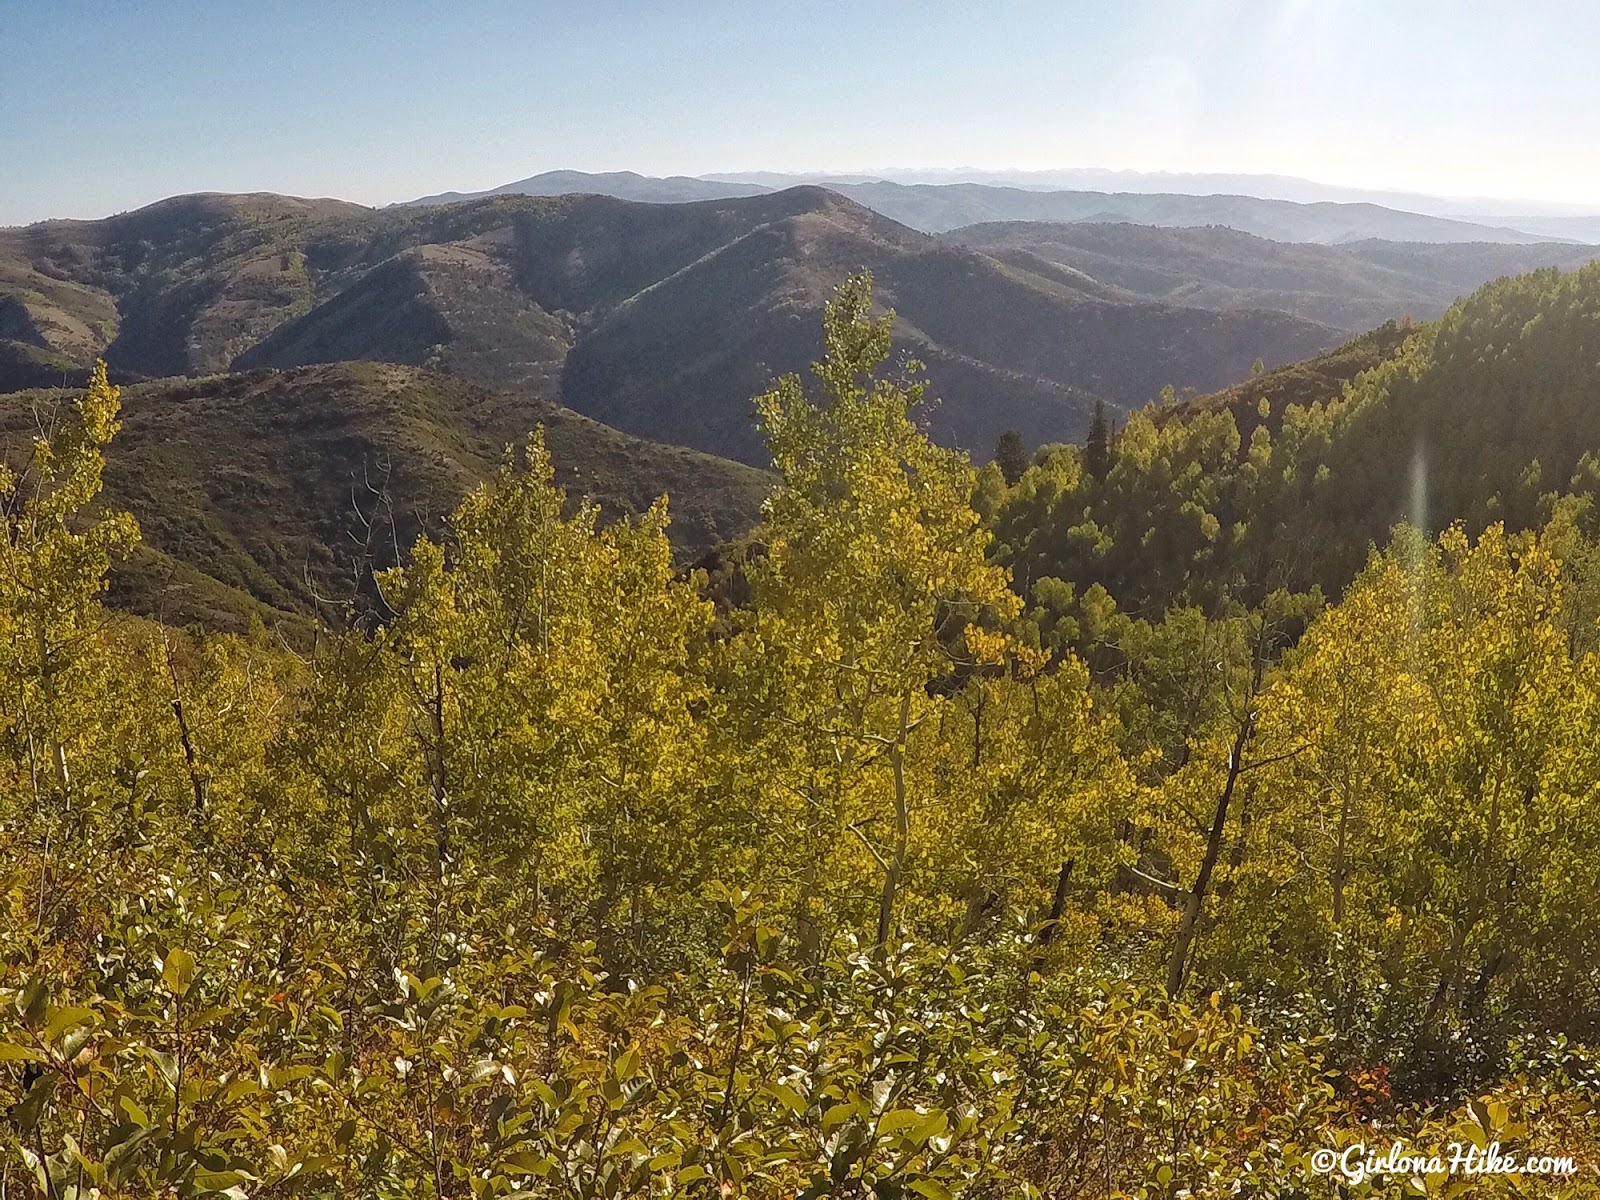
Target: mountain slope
1004, 349
1322, 380
1482, 210
1574, 228
662, 319
1353, 286
254, 480
451, 308
180, 286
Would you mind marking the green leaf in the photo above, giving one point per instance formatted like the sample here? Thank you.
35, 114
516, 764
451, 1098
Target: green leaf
628, 1064
27, 1113
177, 971
790, 1098
221, 1181
900, 1118
35, 1002
526, 1162
64, 1019
11, 1052
838, 1115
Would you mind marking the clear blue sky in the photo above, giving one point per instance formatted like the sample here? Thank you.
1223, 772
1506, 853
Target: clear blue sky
105, 106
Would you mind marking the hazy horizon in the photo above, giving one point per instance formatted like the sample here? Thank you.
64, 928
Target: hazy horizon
316, 100
1485, 207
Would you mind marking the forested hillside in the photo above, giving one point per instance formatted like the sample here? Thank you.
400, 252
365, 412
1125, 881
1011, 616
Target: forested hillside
903, 864
1485, 416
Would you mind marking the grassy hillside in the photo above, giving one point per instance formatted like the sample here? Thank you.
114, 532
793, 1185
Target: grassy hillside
1354, 286
180, 286
662, 319
253, 482
452, 308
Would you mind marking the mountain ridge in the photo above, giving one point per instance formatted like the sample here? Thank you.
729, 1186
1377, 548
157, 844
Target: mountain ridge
939, 207
1353, 286
544, 294
1266, 186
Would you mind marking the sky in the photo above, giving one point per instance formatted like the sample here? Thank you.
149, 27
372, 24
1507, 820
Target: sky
105, 106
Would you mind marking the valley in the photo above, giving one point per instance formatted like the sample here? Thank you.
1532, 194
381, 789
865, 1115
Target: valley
660, 320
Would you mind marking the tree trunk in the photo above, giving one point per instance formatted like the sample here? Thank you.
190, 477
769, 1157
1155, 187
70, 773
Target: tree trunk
1058, 902
1178, 965
441, 793
1058, 906
1340, 850
902, 826
58, 752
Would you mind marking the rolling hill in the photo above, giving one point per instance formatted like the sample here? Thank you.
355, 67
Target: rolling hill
1353, 286
1004, 348
247, 485
660, 319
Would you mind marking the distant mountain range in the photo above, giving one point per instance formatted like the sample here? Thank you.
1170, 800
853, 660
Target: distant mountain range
282, 353
936, 207
1354, 286
623, 185
1568, 222
659, 319
286, 356
1188, 183
941, 207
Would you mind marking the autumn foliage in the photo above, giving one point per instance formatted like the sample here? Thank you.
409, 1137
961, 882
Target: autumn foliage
540, 878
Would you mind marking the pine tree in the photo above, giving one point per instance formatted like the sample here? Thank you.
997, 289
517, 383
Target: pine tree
1097, 451
1011, 456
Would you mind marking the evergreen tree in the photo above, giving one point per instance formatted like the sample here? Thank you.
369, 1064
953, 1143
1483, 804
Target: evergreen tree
1011, 456
1097, 451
